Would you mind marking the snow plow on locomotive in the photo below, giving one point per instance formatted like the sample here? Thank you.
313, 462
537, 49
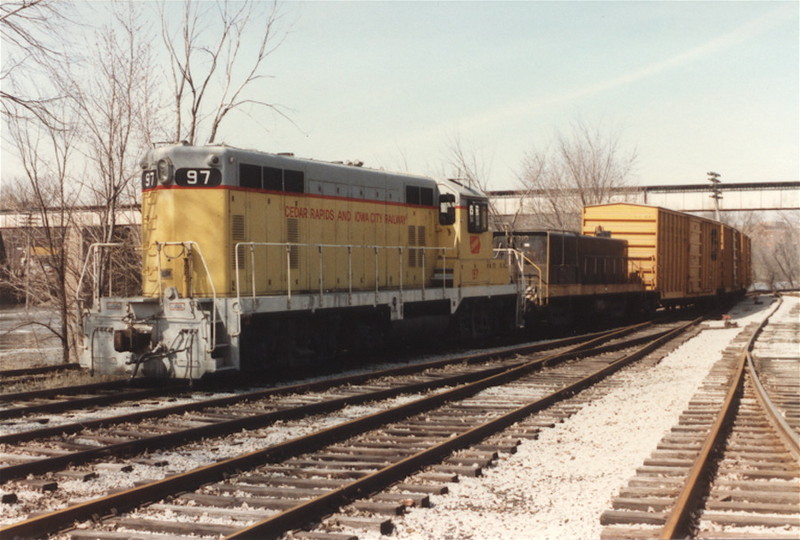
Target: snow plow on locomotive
252, 259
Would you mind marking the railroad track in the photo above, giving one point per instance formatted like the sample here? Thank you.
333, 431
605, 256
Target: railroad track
298, 481
36, 377
19, 405
60, 399
14, 374
53, 448
779, 366
729, 469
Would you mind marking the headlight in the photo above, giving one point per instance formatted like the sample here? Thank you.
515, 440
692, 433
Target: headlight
164, 171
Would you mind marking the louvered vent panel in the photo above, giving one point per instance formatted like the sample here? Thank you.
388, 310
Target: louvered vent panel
421, 242
412, 240
293, 235
238, 234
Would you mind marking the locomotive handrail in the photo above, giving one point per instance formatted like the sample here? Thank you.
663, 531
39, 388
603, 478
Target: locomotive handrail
189, 246
546, 290
520, 261
91, 256
320, 279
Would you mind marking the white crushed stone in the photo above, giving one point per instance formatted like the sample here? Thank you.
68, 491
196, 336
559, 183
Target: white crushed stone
182, 459
784, 342
555, 487
558, 486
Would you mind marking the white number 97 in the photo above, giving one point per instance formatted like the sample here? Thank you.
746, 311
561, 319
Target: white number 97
195, 177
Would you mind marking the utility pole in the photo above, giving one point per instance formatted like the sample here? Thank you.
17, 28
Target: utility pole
27, 223
716, 191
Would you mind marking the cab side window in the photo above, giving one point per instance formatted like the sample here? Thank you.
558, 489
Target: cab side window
477, 216
447, 209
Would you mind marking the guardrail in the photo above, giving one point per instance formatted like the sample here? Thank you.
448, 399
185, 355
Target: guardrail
349, 249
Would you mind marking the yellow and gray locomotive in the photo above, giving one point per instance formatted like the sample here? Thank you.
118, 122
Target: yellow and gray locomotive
252, 258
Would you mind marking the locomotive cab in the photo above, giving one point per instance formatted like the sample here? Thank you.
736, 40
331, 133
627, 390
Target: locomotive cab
464, 216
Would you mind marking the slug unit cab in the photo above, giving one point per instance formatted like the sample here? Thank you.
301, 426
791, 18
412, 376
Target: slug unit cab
571, 278
252, 259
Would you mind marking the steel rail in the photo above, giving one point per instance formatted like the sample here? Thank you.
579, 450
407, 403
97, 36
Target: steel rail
64, 390
41, 370
679, 520
251, 422
782, 428
103, 399
314, 386
218, 429
275, 526
134, 497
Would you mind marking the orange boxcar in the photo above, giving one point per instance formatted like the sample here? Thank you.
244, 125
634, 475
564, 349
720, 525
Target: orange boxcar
684, 258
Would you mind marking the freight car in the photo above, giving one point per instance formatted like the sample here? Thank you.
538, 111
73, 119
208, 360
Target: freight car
250, 258
684, 258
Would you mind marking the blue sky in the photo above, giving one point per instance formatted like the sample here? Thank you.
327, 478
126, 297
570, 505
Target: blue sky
692, 86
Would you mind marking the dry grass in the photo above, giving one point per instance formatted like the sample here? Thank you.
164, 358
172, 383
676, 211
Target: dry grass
52, 380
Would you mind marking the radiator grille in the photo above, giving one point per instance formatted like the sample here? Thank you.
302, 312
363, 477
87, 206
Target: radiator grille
420, 242
412, 240
238, 234
293, 235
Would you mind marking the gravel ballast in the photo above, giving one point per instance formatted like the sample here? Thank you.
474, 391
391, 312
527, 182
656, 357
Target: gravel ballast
557, 486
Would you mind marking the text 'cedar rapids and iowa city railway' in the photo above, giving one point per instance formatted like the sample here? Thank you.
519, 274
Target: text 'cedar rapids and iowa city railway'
342, 215
252, 259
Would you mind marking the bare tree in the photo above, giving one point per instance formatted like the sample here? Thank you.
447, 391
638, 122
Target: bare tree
118, 107
37, 129
48, 273
585, 167
28, 29
775, 253
783, 260
473, 169
212, 69
76, 148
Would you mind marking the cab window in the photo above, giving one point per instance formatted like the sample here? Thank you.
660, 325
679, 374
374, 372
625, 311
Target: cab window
447, 209
477, 216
